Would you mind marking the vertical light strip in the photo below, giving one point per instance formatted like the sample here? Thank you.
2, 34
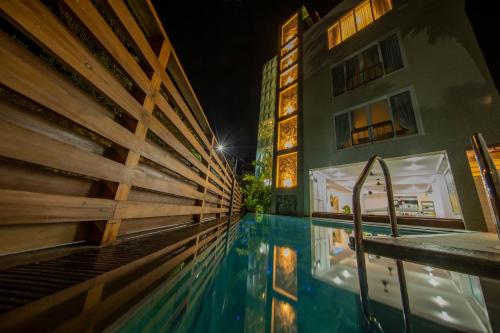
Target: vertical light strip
288, 105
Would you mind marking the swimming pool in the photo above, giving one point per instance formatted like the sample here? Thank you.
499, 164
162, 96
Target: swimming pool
286, 274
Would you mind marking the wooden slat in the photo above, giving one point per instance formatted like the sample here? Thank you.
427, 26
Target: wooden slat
37, 20
131, 209
46, 87
178, 185
130, 24
170, 113
87, 13
20, 207
26, 145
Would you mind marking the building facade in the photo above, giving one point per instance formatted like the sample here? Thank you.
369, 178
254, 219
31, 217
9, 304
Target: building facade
405, 80
265, 135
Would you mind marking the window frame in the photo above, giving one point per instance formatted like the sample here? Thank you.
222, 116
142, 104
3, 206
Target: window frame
352, 11
416, 113
359, 51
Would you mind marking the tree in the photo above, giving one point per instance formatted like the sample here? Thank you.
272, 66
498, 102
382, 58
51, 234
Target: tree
256, 193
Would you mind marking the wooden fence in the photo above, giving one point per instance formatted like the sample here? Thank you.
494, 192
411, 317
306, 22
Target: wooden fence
101, 134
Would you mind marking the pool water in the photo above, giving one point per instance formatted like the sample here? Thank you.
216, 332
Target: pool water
286, 274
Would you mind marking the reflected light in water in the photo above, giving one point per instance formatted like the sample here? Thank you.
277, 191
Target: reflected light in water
440, 301
446, 317
433, 282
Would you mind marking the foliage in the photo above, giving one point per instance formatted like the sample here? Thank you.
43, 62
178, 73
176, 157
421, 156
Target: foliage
256, 193
346, 209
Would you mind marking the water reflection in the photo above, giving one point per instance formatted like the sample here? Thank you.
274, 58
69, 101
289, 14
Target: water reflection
295, 275
445, 297
285, 271
283, 317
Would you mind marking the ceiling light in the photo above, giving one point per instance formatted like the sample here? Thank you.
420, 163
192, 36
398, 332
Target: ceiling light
445, 316
440, 301
414, 167
346, 274
415, 158
337, 280
433, 282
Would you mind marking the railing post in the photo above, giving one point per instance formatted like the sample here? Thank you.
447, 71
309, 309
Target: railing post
490, 177
231, 205
360, 251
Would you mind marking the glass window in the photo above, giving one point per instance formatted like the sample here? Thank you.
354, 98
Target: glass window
363, 14
355, 20
347, 25
403, 114
338, 77
370, 57
380, 7
360, 131
381, 124
334, 35
379, 120
352, 70
391, 54
342, 131
372, 68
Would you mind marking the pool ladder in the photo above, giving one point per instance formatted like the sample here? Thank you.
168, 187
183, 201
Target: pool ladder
490, 177
360, 252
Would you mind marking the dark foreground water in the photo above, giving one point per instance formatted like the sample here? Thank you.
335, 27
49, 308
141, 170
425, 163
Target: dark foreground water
286, 274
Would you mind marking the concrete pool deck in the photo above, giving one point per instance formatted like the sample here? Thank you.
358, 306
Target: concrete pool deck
472, 252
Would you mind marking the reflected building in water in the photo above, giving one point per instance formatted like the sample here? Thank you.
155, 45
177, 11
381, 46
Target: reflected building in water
436, 295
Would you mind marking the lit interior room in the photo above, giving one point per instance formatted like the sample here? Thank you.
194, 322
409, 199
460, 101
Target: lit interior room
453, 299
423, 187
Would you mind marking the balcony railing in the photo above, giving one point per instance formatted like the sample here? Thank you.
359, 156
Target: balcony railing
374, 132
368, 74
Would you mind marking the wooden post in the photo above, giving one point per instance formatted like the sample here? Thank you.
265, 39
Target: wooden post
199, 218
112, 227
231, 204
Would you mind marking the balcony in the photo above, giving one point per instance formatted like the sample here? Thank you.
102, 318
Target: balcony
379, 131
369, 74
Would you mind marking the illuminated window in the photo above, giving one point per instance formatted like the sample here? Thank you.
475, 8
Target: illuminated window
287, 133
355, 20
289, 76
334, 35
283, 317
289, 59
286, 171
380, 7
347, 25
290, 46
289, 29
383, 119
288, 101
367, 65
285, 271
363, 14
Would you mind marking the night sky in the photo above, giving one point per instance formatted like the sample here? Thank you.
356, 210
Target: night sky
222, 45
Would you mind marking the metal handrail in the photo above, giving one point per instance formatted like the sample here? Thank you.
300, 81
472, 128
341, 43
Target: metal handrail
360, 251
489, 175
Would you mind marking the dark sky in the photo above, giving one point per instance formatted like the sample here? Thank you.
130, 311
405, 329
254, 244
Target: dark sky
222, 45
